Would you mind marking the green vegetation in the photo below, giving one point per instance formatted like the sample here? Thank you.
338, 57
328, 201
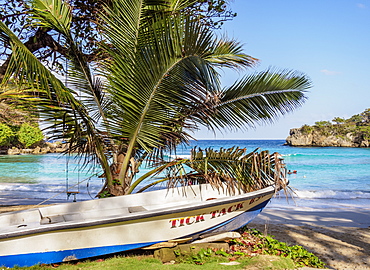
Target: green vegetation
29, 134
254, 242
252, 250
322, 123
306, 129
364, 131
300, 256
357, 125
135, 263
18, 121
25, 135
209, 257
6, 134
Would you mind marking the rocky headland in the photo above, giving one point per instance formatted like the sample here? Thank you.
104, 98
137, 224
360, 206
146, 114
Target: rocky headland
298, 137
42, 148
352, 132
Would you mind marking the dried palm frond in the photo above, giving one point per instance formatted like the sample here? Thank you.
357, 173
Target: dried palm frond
232, 168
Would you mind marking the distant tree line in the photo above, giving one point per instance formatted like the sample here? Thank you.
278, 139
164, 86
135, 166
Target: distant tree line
25, 135
358, 125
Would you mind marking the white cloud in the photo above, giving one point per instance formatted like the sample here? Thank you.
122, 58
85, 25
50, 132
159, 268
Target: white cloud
360, 5
329, 72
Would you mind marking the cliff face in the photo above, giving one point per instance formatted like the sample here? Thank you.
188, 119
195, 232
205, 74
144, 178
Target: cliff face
298, 137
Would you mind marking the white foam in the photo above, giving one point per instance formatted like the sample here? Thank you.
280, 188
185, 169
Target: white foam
332, 194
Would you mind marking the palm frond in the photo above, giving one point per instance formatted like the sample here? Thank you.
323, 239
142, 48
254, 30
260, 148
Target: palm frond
164, 75
26, 70
232, 168
256, 98
53, 14
229, 53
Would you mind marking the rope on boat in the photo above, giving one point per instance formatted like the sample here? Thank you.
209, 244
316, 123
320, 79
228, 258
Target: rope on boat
68, 192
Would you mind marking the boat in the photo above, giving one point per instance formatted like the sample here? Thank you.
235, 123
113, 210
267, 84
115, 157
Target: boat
78, 230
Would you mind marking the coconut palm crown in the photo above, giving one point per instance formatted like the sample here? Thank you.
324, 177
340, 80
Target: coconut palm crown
157, 81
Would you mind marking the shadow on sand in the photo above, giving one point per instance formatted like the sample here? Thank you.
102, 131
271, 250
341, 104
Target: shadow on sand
341, 238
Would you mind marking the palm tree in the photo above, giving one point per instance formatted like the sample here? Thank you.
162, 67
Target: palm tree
157, 82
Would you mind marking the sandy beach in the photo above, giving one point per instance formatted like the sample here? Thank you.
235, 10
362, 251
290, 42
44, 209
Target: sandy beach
339, 237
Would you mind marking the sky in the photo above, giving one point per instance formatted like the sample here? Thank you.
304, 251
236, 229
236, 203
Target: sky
328, 40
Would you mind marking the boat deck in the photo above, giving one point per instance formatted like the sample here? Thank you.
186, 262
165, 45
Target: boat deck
101, 209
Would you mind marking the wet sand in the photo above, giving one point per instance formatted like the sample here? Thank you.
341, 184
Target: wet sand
339, 237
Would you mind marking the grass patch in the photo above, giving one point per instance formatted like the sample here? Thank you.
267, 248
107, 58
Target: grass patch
117, 263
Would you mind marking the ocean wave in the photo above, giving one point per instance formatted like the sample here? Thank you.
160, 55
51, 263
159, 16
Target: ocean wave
290, 155
333, 194
44, 188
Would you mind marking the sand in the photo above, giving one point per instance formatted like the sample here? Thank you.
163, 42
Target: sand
339, 237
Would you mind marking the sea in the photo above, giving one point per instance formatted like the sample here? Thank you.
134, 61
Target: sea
326, 177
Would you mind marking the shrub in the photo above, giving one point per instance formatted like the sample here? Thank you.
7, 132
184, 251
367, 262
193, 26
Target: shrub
322, 124
268, 245
6, 134
306, 129
365, 131
298, 254
29, 134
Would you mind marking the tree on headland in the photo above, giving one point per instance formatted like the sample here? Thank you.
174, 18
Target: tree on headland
366, 116
157, 82
323, 123
339, 120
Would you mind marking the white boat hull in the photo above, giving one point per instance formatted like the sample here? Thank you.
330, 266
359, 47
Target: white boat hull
86, 229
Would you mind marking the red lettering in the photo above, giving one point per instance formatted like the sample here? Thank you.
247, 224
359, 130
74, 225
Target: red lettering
187, 221
222, 212
213, 213
239, 206
255, 200
182, 221
173, 223
230, 209
199, 218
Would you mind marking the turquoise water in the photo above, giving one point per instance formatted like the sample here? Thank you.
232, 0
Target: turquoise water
326, 177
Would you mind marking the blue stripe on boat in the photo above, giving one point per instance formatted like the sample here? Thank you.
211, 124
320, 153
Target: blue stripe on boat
65, 255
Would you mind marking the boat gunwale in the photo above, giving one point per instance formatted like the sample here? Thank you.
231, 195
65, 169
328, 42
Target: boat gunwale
69, 225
